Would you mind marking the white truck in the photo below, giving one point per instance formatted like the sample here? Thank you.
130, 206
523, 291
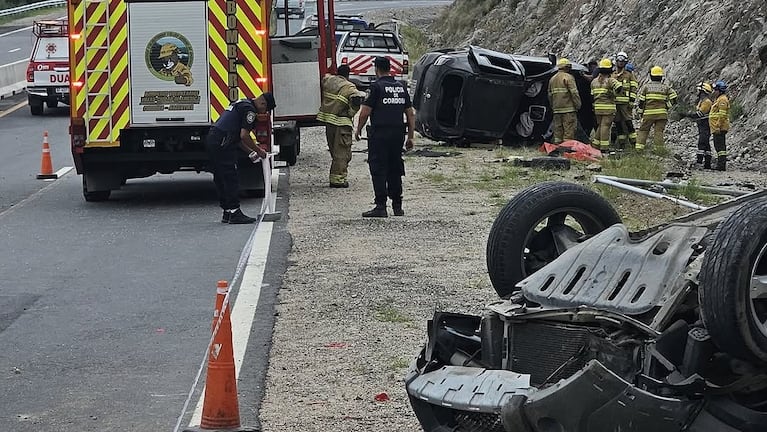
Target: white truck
358, 49
48, 69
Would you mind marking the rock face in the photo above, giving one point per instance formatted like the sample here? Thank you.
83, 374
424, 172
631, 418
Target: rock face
692, 40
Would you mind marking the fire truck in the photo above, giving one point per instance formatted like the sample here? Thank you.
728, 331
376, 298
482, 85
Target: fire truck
148, 78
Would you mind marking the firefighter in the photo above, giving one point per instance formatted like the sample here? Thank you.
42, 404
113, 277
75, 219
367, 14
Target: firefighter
340, 102
229, 135
654, 101
173, 66
703, 157
624, 101
719, 120
386, 103
565, 102
604, 88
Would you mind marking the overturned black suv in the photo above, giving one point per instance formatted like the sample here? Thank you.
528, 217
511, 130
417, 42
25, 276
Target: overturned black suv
603, 330
479, 95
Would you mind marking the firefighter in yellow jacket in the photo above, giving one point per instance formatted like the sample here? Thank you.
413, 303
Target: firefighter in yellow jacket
565, 102
654, 101
624, 102
700, 116
719, 121
340, 102
604, 88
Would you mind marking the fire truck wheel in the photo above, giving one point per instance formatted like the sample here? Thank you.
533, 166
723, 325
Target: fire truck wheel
733, 283
537, 225
35, 105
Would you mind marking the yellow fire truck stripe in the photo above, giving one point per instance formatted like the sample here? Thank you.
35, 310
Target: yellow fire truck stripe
218, 68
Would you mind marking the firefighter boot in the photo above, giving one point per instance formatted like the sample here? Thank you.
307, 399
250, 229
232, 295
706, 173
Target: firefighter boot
377, 211
721, 163
699, 158
707, 161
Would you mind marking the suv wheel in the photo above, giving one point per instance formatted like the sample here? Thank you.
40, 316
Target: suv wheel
35, 105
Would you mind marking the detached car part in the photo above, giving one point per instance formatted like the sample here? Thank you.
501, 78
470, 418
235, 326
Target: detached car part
605, 330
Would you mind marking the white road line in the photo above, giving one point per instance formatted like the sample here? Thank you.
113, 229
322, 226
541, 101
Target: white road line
244, 309
63, 171
14, 50
13, 108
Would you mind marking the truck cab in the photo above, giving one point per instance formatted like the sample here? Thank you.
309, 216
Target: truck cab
48, 69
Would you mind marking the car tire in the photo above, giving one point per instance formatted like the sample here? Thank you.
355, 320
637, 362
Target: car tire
515, 249
36, 106
52, 104
733, 272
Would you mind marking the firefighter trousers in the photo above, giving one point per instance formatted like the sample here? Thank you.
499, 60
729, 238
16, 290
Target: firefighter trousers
340, 147
602, 132
704, 144
626, 136
223, 160
386, 164
659, 128
564, 126
720, 145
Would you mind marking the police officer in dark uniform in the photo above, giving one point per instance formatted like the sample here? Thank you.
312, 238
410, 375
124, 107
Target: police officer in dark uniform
227, 138
385, 105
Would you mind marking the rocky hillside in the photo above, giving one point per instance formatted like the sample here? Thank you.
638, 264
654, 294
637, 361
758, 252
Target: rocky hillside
691, 39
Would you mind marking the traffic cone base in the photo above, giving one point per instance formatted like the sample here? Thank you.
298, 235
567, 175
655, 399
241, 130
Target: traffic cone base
46, 165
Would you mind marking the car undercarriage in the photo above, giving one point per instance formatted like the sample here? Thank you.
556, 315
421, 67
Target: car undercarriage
602, 329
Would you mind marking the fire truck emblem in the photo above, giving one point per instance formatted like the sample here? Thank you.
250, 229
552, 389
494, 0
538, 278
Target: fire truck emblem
50, 48
169, 57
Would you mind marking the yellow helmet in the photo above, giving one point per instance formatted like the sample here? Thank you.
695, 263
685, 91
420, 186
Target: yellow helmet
563, 63
605, 63
656, 71
704, 87
167, 50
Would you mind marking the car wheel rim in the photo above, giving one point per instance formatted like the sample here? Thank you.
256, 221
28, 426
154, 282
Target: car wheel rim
555, 233
758, 290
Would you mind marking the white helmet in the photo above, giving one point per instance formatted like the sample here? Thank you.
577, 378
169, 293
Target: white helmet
622, 57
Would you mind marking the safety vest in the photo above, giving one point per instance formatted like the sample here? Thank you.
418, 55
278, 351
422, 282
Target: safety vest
655, 99
337, 108
630, 86
719, 117
563, 94
604, 89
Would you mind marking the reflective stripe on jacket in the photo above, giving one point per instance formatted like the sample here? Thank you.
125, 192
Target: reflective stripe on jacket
604, 89
563, 94
630, 87
336, 108
655, 99
719, 117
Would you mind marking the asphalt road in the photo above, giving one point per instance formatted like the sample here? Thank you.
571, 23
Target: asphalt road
105, 308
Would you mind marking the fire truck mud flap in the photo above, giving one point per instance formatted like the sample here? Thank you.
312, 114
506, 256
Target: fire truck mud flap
594, 399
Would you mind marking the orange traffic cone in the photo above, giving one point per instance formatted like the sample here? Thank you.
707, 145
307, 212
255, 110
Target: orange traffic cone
221, 409
46, 166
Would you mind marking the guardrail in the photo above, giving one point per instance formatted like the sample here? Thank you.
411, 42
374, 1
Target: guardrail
30, 7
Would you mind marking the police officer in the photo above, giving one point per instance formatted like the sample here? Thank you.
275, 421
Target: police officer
229, 135
385, 105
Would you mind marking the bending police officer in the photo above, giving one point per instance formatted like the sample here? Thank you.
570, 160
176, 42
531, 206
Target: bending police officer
385, 105
228, 135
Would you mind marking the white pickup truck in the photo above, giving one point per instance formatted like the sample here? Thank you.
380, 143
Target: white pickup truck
48, 69
357, 49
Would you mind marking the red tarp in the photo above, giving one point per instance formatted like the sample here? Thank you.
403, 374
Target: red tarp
572, 149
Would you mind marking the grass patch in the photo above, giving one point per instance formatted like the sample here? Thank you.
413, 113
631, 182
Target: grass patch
34, 13
736, 110
636, 166
465, 14
398, 363
435, 177
388, 313
416, 42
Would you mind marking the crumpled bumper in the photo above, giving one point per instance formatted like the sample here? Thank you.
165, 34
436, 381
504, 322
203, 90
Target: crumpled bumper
592, 400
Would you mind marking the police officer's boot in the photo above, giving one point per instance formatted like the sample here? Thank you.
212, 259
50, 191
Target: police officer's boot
721, 163
707, 161
397, 207
238, 217
377, 211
